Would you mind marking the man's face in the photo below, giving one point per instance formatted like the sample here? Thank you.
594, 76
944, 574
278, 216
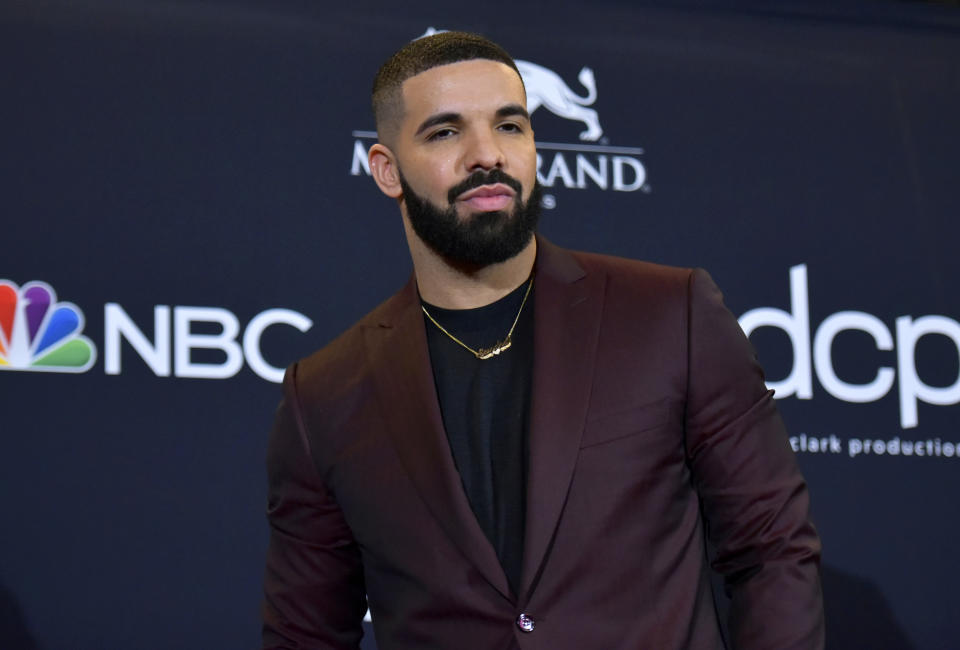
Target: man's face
467, 160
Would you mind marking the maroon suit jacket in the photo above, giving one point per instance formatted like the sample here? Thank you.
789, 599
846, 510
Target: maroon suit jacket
650, 429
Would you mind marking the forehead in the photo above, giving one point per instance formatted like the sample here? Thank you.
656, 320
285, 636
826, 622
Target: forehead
477, 84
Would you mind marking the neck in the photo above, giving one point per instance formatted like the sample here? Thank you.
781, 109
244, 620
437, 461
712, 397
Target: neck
451, 287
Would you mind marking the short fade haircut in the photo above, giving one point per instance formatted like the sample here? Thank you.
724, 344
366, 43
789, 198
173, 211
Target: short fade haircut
419, 56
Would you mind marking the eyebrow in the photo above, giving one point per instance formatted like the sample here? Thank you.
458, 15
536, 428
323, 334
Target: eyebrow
513, 109
439, 118
451, 117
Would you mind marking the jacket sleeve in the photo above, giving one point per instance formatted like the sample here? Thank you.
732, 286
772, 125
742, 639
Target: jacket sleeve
752, 495
314, 594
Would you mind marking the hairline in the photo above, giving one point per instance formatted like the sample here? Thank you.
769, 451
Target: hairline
388, 104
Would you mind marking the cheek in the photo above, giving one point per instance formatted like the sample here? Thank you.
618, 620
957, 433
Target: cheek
441, 171
433, 179
528, 173
526, 159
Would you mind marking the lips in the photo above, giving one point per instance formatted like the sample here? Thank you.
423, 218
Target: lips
488, 197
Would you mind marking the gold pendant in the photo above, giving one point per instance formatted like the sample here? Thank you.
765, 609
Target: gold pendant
487, 353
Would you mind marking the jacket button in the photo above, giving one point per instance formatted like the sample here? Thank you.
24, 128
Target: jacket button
526, 623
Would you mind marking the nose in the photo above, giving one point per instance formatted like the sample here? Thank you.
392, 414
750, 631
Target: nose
483, 152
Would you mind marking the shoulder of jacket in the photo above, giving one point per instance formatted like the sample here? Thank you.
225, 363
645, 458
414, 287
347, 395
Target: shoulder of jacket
338, 361
639, 275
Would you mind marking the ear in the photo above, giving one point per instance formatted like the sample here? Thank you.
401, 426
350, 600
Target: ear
383, 168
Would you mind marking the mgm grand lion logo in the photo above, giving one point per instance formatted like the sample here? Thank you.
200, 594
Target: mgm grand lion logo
589, 163
546, 88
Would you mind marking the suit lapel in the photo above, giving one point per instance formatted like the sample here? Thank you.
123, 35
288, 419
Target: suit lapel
567, 305
405, 388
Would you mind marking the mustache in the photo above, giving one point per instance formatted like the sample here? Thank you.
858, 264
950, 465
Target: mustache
478, 178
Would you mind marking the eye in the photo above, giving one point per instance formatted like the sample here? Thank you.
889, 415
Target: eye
510, 127
441, 134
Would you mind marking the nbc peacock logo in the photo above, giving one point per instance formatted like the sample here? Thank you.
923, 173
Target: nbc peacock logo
37, 333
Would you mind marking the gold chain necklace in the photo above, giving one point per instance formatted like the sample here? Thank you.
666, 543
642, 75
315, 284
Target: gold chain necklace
500, 346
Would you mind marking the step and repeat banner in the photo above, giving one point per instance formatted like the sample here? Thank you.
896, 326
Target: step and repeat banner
187, 208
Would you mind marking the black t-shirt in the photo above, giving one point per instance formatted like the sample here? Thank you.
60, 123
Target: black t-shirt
485, 405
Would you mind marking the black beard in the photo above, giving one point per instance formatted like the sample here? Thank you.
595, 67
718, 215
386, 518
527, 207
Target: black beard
482, 238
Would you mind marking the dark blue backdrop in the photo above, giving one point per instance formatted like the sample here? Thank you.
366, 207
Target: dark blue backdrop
176, 170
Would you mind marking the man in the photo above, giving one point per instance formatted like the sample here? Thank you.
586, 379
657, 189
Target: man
526, 447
